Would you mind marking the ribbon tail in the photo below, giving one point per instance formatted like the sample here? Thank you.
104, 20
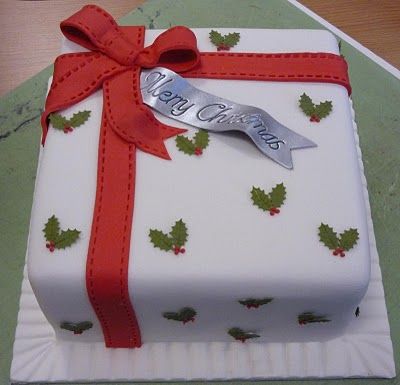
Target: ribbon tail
277, 141
131, 119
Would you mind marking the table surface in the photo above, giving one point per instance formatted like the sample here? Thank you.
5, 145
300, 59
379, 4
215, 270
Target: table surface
375, 95
31, 45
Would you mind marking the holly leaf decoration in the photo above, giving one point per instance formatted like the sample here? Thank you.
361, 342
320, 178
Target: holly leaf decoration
278, 195
173, 241
269, 201
66, 238
316, 112
328, 236
193, 146
57, 238
58, 121
160, 240
79, 118
310, 317
255, 302
51, 229
185, 145
241, 335
306, 104
323, 109
77, 327
179, 233
348, 239
224, 42
201, 139
184, 315
216, 38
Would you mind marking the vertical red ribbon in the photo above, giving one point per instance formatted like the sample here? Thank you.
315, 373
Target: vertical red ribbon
108, 254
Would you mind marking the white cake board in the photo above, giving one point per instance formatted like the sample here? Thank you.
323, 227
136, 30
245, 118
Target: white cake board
364, 351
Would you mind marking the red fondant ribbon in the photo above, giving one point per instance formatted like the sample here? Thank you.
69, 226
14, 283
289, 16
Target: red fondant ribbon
116, 56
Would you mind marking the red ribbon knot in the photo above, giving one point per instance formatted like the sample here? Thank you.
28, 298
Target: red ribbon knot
115, 60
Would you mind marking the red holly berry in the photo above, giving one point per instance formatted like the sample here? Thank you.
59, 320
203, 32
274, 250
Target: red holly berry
182, 250
51, 246
335, 252
223, 47
176, 250
274, 211
68, 129
198, 151
77, 331
314, 118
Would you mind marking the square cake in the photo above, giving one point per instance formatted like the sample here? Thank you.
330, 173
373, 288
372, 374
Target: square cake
225, 244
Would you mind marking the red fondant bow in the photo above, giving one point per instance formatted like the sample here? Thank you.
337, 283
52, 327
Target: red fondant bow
114, 64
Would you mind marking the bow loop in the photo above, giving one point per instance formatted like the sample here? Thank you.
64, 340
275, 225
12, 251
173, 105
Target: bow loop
119, 54
175, 49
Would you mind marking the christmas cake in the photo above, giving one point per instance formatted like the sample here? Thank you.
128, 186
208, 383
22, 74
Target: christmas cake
220, 242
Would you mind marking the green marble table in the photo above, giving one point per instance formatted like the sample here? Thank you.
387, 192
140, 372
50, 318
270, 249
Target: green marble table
376, 96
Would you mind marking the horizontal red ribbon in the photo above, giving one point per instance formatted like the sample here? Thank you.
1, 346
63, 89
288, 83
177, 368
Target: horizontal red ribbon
114, 64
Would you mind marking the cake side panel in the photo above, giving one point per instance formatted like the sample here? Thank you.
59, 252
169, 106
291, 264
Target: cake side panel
65, 188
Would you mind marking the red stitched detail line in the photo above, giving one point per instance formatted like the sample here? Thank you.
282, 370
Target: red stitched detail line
95, 227
303, 67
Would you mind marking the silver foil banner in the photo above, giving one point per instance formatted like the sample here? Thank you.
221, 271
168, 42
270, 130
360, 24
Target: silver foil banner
173, 96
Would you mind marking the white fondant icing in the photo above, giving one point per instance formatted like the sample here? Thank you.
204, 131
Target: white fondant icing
234, 250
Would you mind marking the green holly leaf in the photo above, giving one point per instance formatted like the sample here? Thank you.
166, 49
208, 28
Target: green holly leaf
185, 145
79, 118
174, 316
66, 238
348, 239
58, 121
184, 315
51, 229
307, 105
78, 327
179, 233
255, 302
216, 38
201, 139
187, 314
241, 335
323, 109
160, 240
261, 199
311, 317
328, 237
278, 195
231, 39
